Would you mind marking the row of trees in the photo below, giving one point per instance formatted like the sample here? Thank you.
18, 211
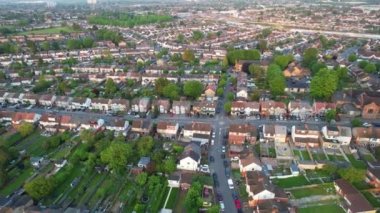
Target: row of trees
234, 55
86, 42
165, 88
369, 67
128, 19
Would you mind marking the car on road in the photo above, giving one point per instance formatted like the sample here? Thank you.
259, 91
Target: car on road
227, 172
215, 178
225, 163
212, 159
230, 183
221, 205
212, 142
223, 149
367, 124
237, 203
219, 196
223, 155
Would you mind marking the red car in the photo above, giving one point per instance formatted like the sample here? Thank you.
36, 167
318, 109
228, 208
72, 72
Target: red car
237, 204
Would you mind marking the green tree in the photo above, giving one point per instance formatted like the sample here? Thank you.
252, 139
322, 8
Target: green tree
188, 55
277, 85
171, 91
45, 46
362, 64
141, 178
170, 165
117, 155
160, 84
356, 122
227, 107
145, 145
88, 42
317, 66
352, 58
39, 187
25, 129
310, 57
214, 209
235, 55
330, 115
283, 60
197, 35
110, 87
370, 68
219, 91
266, 32
352, 174
193, 200
324, 84
256, 71
193, 89
262, 45
180, 38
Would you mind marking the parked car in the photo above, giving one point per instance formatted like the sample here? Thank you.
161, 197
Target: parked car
225, 163
212, 159
223, 149
221, 205
230, 183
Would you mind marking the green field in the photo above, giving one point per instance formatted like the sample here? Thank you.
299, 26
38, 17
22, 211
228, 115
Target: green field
359, 164
323, 189
172, 199
17, 182
373, 200
330, 208
53, 30
291, 182
302, 154
336, 158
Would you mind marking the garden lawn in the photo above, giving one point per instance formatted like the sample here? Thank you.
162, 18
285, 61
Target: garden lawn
368, 158
172, 199
323, 189
12, 139
330, 208
52, 30
298, 154
17, 182
359, 164
291, 182
305, 155
319, 156
373, 200
272, 152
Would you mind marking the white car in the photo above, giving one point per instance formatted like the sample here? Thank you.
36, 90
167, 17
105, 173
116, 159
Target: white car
367, 124
236, 158
223, 149
230, 183
221, 205
212, 142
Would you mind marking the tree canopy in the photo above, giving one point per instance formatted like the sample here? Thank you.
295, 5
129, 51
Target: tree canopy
235, 55
145, 145
25, 129
324, 84
117, 155
276, 80
193, 89
283, 60
188, 55
310, 57
40, 187
193, 200
128, 19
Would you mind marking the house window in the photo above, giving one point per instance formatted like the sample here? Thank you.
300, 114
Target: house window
370, 111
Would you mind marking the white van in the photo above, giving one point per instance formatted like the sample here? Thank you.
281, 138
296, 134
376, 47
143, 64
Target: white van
230, 183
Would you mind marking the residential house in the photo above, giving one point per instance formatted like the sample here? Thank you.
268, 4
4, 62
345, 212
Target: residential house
210, 91
181, 107
36, 161
29, 98
80, 103
63, 102
294, 85
369, 103
50, 122
243, 108
190, 158
174, 180
6, 116
141, 105
353, 200
167, 129
101, 104
162, 105
242, 92
306, 135
143, 162
249, 163
14, 98
119, 105
243, 65
119, 126
334, 136
68, 123
275, 133
373, 177
204, 108
47, 100
28, 117
260, 189
197, 131
300, 109
273, 109
295, 71
320, 108
241, 133
366, 136
141, 126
